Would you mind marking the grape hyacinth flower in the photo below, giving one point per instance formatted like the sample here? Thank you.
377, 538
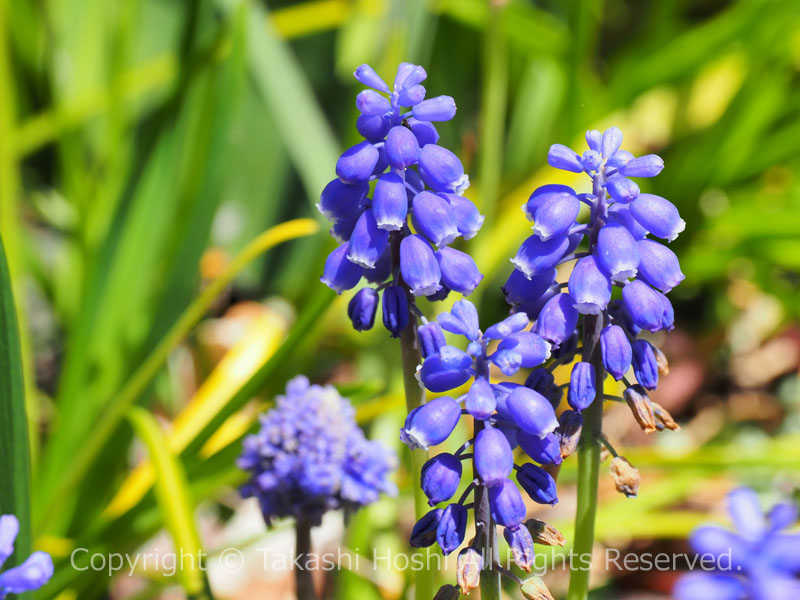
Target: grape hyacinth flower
612, 250
615, 291
757, 562
396, 204
32, 574
308, 457
505, 415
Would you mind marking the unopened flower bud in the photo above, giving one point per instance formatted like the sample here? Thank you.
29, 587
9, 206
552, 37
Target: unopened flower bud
661, 361
544, 533
447, 592
534, 588
626, 476
664, 418
569, 431
521, 543
641, 407
424, 532
468, 570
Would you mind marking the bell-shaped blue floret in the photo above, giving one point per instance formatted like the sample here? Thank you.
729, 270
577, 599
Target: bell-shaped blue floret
520, 542
375, 128
441, 108
622, 189
711, 586
424, 131
506, 504
531, 411
508, 361
644, 305
536, 256
441, 170
408, 75
343, 227
340, 274
411, 96
30, 575
540, 380
461, 320
543, 194
366, 75
367, 242
589, 287
362, 309
434, 218
616, 351
395, 310
658, 265
594, 139
513, 324
611, 141
431, 338
356, 164
424, 532
556, 215
440, 477
620, 214
419, 266
582, 389
566, 159
643, 166
468, 219
401, 147
431, 424
371, 103
545, 450
340, 200
493, 459
446, 370
390, 202
459, 271
557, 319
538, 483
658, 215
532, 348
591, 160
617, 252
519, 289
480, 401
452, 528
645, 365
619, 158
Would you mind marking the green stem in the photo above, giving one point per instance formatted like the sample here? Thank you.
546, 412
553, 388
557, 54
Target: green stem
304, 577
589, 448
415, 396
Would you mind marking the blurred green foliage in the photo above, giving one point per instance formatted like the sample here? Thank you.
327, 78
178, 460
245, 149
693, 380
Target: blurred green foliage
135, 135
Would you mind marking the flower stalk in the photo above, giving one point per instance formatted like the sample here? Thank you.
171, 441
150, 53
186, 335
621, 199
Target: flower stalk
415, 396
304, 578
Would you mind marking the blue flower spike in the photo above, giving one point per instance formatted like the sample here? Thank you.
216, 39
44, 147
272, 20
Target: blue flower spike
33, 573
310, 456
416, 208
758, 560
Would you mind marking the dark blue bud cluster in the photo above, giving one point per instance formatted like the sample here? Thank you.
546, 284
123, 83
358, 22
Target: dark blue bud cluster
507, 415
396, 204
612, 250
758, 561
32, 574
310, 457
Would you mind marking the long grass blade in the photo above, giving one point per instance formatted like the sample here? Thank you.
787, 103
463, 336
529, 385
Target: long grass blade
174, 500
144, 375
14, 446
